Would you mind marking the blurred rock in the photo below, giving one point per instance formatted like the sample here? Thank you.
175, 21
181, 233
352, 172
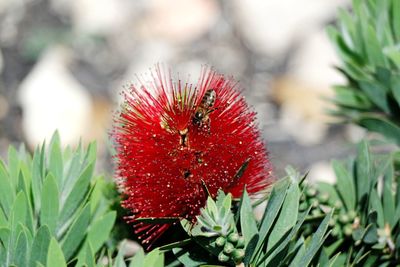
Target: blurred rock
179, 20
1, 61
4, 106
52, 99
273, 26
12, 12
355, 133
101, 17
321, 172
314, 63
304, 93
302, 110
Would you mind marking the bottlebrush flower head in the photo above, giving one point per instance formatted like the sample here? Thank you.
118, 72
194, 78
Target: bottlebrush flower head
174, 140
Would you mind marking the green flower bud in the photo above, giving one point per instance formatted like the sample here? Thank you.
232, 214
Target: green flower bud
314, 203
332, 222
238, 255
233, 237
323, 198
310, 192
344, 218
352, 215
220, 241
303, 206
338, 204
347, 230
335, 231
316, 212
240, 243
222, 257
228, 248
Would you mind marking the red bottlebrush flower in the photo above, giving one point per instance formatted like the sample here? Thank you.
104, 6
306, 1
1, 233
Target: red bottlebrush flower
173, 137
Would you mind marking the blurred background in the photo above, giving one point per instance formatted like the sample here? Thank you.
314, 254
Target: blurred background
64, 62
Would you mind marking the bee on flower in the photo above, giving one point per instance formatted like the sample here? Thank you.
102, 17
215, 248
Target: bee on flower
176, 143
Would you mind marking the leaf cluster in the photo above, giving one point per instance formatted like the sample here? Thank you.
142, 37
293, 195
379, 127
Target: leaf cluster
368, 43
52, 208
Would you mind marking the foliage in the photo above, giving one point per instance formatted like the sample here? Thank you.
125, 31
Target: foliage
366, 203
368, 43
223, 237
52, 208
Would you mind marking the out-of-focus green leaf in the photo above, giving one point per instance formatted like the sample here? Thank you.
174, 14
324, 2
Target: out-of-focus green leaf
50, 204
77, 195
388, 203
382, 126
76, 233
376, 205
396, 19
99, 230
56, 160
13, 166
363, 168
154, 258
376, 93
395, 84
55, 256
393, 52
137, 260
21, 250
7, 194
345, 185
40, 246
38, 173
349, 97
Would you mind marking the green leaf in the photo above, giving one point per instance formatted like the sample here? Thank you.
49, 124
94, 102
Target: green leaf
396, 19
188, 258
16, 219
247, 221
363, 168
376, 93
316, 242
376, 205
349, 97
56, 160
55, 256
40, 246
7, 194
38, 171
76, 233
13, 166
86, 256
154, 258
99, 230
49, 202
387, 196
137, 260
395, 85
287, 216
76, 197
382, 126
393, 52
21, 250
274, 205
345, 185
273, 252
